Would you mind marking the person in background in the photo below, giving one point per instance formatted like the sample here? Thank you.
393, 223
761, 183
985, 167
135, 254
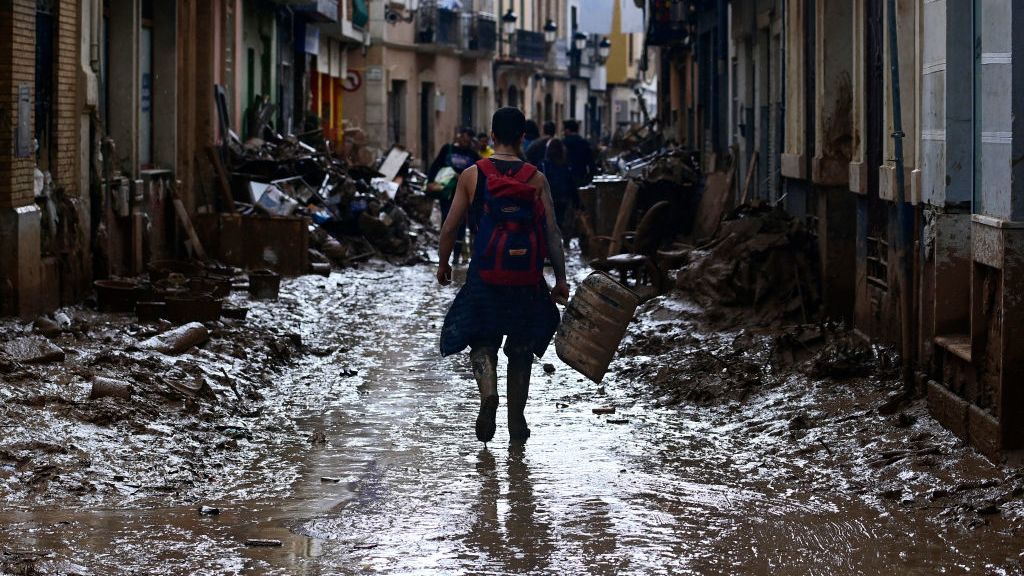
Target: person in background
443, 177
535, 152
564, 193
532, 133
579, 153
484, 145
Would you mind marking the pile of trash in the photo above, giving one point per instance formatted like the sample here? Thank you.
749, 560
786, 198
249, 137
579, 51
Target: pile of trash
358, 211
760, 260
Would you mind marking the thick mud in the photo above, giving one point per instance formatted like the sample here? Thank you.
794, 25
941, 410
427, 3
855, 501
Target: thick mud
352, 443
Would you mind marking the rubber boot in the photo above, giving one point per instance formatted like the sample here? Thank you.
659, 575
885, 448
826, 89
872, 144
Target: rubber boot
485, 370
519, 365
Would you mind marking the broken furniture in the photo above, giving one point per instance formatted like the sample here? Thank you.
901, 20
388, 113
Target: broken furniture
639, 260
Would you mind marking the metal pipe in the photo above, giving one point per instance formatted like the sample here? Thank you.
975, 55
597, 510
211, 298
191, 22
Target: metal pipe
903, 214
95, 17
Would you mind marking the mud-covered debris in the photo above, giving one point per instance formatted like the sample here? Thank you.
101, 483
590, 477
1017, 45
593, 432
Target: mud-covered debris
263, 542
318, 438
762, 261
800, 422
988, 509
33, 350
618, 421
549, 368
604, 410
109, 388
178, 340
209, 510
844, 356
330, 480
45, 326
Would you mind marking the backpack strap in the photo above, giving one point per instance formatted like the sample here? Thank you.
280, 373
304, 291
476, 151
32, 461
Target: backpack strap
525, 172
487, 167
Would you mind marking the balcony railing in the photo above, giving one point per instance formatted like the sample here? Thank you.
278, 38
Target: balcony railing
435, 25
529, 45
479, 32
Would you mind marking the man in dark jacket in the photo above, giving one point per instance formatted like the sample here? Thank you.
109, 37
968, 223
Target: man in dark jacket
535, 152
580, 153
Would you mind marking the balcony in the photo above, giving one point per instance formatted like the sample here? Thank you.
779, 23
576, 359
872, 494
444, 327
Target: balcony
317, 10
436, 25
528, 45
479, 33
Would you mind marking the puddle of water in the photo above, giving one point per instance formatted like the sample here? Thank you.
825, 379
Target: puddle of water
672, 491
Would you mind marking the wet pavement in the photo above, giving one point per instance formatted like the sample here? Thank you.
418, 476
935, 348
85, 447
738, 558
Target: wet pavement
373, 469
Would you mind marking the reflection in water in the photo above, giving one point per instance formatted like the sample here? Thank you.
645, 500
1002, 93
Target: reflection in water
511, 533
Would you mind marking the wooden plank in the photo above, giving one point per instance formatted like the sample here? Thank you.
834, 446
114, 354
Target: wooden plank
713, 204
222, 179
186, 223
622, 220
750, 177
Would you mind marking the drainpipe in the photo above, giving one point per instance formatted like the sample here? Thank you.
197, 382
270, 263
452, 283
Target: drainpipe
903, 214
94, 31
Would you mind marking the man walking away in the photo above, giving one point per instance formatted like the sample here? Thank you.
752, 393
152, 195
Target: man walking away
564, 193
532, 133
505, 295
443, 176
580, 153
535, 153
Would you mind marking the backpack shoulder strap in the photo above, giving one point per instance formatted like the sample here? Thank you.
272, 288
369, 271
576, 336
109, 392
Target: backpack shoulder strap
525, 172
487, 167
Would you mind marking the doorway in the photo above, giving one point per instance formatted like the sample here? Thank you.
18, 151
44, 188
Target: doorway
426, 121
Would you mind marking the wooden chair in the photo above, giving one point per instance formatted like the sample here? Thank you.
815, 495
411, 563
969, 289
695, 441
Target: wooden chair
638, 261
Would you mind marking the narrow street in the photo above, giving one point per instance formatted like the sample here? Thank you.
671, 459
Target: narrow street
401, 486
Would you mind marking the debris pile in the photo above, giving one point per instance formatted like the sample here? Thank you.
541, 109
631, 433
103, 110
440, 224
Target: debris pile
360, 211
760, 260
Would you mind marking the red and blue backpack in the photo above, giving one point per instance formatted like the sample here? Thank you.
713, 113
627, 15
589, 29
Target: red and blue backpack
511, 242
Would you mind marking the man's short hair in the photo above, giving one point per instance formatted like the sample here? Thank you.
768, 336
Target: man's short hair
571, 125
468, 131
549, 128
508, 125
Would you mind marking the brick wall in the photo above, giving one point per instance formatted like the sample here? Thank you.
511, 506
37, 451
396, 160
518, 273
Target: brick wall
66, 83
17, 67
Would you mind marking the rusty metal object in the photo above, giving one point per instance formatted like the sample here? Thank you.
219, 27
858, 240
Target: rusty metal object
593, 325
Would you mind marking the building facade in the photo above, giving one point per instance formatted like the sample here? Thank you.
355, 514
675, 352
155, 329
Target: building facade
918, 238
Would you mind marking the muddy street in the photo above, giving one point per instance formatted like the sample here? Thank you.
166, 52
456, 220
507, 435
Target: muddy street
366, 463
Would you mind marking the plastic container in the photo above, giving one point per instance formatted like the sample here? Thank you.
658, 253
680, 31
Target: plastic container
593, 325
264, 284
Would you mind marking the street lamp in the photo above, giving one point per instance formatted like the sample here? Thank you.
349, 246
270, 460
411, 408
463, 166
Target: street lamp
579, 41
508, 22
550, 31
603, 49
